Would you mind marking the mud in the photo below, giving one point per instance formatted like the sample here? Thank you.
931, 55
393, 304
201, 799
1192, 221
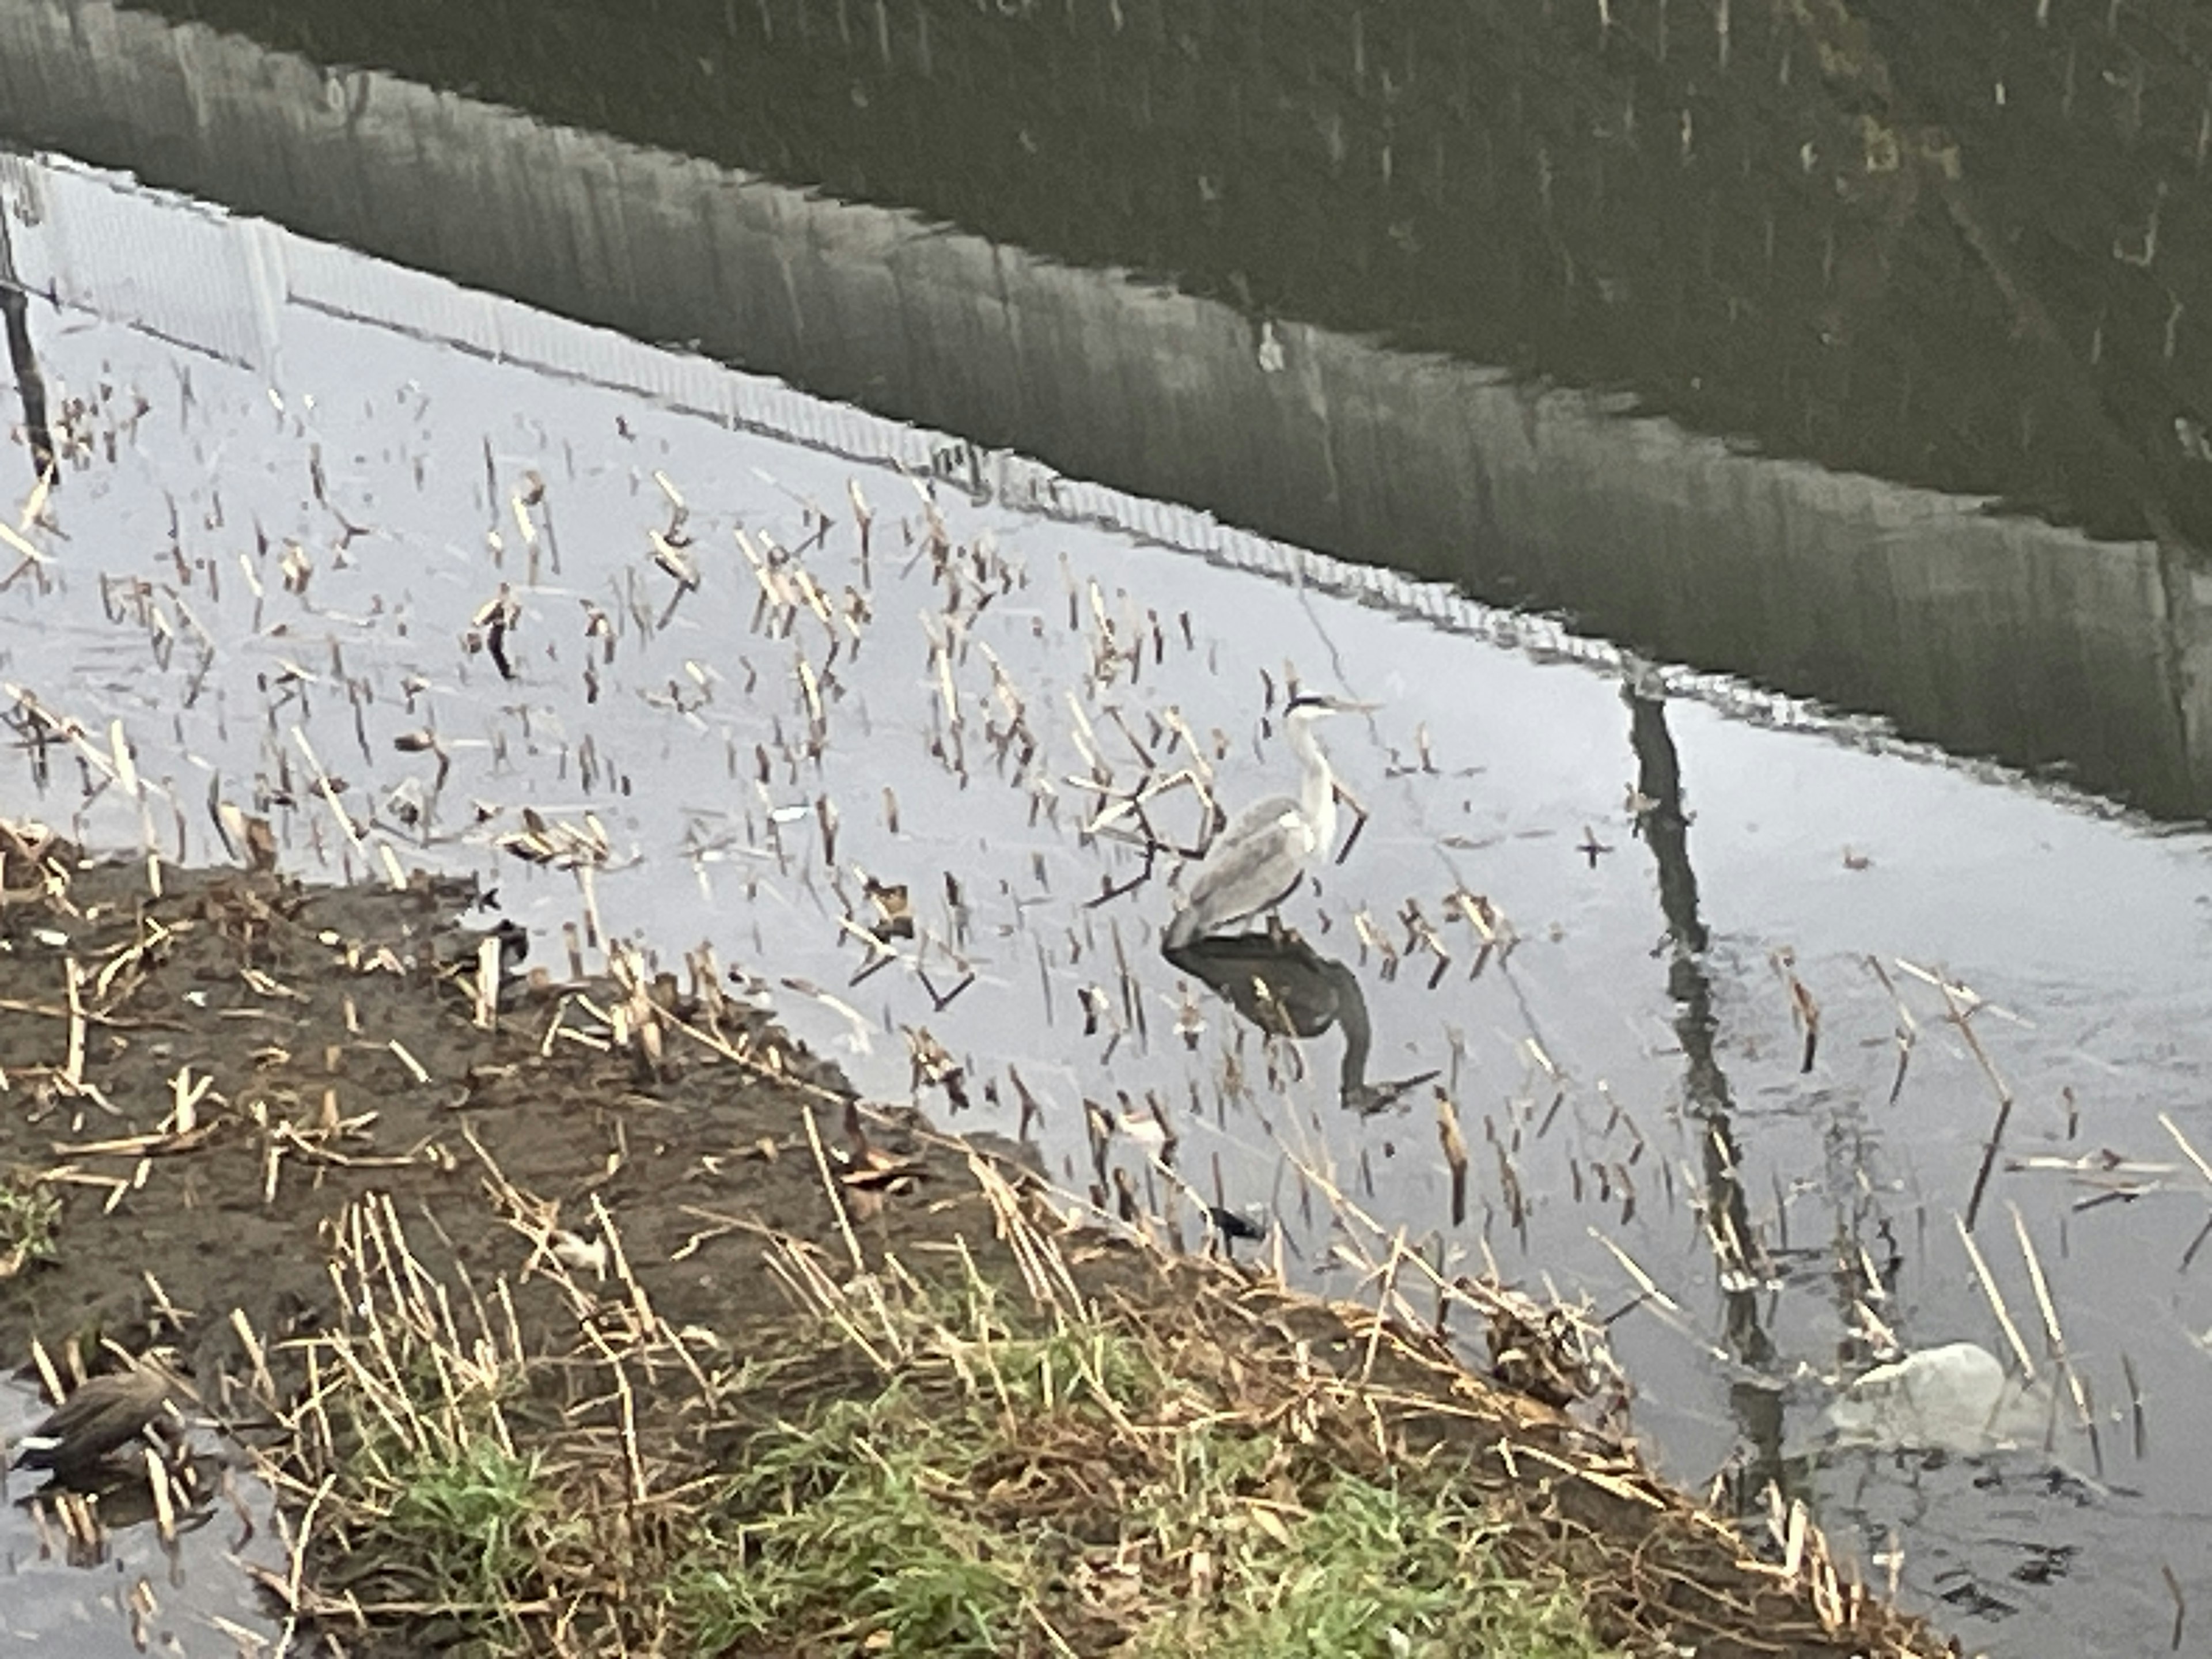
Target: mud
289, 1002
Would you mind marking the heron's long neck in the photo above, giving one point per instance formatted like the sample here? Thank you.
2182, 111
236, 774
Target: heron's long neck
1317, 789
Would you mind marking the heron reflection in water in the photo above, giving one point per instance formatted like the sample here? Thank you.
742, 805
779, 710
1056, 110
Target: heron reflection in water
1281, 984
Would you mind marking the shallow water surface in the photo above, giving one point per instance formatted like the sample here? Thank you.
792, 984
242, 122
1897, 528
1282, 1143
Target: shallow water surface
730, 707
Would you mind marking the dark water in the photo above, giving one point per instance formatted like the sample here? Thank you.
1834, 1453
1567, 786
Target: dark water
1879, 235
1961, 250
1632, 1079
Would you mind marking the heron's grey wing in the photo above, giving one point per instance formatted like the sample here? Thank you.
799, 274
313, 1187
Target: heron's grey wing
1252, 864
1254, 820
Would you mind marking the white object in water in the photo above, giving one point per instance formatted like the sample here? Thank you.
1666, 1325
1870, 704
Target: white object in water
1957, 1398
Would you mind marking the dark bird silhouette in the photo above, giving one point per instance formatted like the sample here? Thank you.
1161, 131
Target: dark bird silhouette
107, 1414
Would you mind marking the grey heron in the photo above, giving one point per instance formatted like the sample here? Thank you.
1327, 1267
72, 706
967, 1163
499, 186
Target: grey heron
1258, 861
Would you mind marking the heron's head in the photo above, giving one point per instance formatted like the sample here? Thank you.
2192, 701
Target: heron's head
1308, 706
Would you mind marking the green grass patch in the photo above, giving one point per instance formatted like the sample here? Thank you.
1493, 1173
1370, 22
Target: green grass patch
856, 1525
1372, 1571
476, 1519
448, 1515
1060, 1488
900, 1469
30, 1215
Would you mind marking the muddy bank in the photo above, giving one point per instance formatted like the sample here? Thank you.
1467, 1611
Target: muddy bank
208, 1078
274, 1115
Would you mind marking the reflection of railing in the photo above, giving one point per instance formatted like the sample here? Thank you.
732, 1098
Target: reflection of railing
22, 359
1994, 636
1743, 1268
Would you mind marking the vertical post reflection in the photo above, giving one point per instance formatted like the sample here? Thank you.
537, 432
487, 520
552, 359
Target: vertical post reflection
30, 384
1666, 830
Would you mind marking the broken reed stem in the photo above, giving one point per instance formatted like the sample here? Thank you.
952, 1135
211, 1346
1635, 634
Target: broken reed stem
263, 1384
73, 982
481, 1314
817, 1292
649, 1321
2057, 1340
1996, 1299
1389, 1289
1644, 1282
2138, 1424
165, 1508
323, 788
1649, 1294
49, 1378
862, 1279
1908, 1028
487, 985
587, 885
2204, 1170
1960, 1017
829, 1188
722, 1046
1044, 1269
1455, 1151
2188, 1151
296, 1567
632, 1460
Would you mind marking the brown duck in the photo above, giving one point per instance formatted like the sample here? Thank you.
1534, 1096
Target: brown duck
104, 1416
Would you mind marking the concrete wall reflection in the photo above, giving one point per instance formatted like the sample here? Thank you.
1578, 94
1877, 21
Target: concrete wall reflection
1988, 635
